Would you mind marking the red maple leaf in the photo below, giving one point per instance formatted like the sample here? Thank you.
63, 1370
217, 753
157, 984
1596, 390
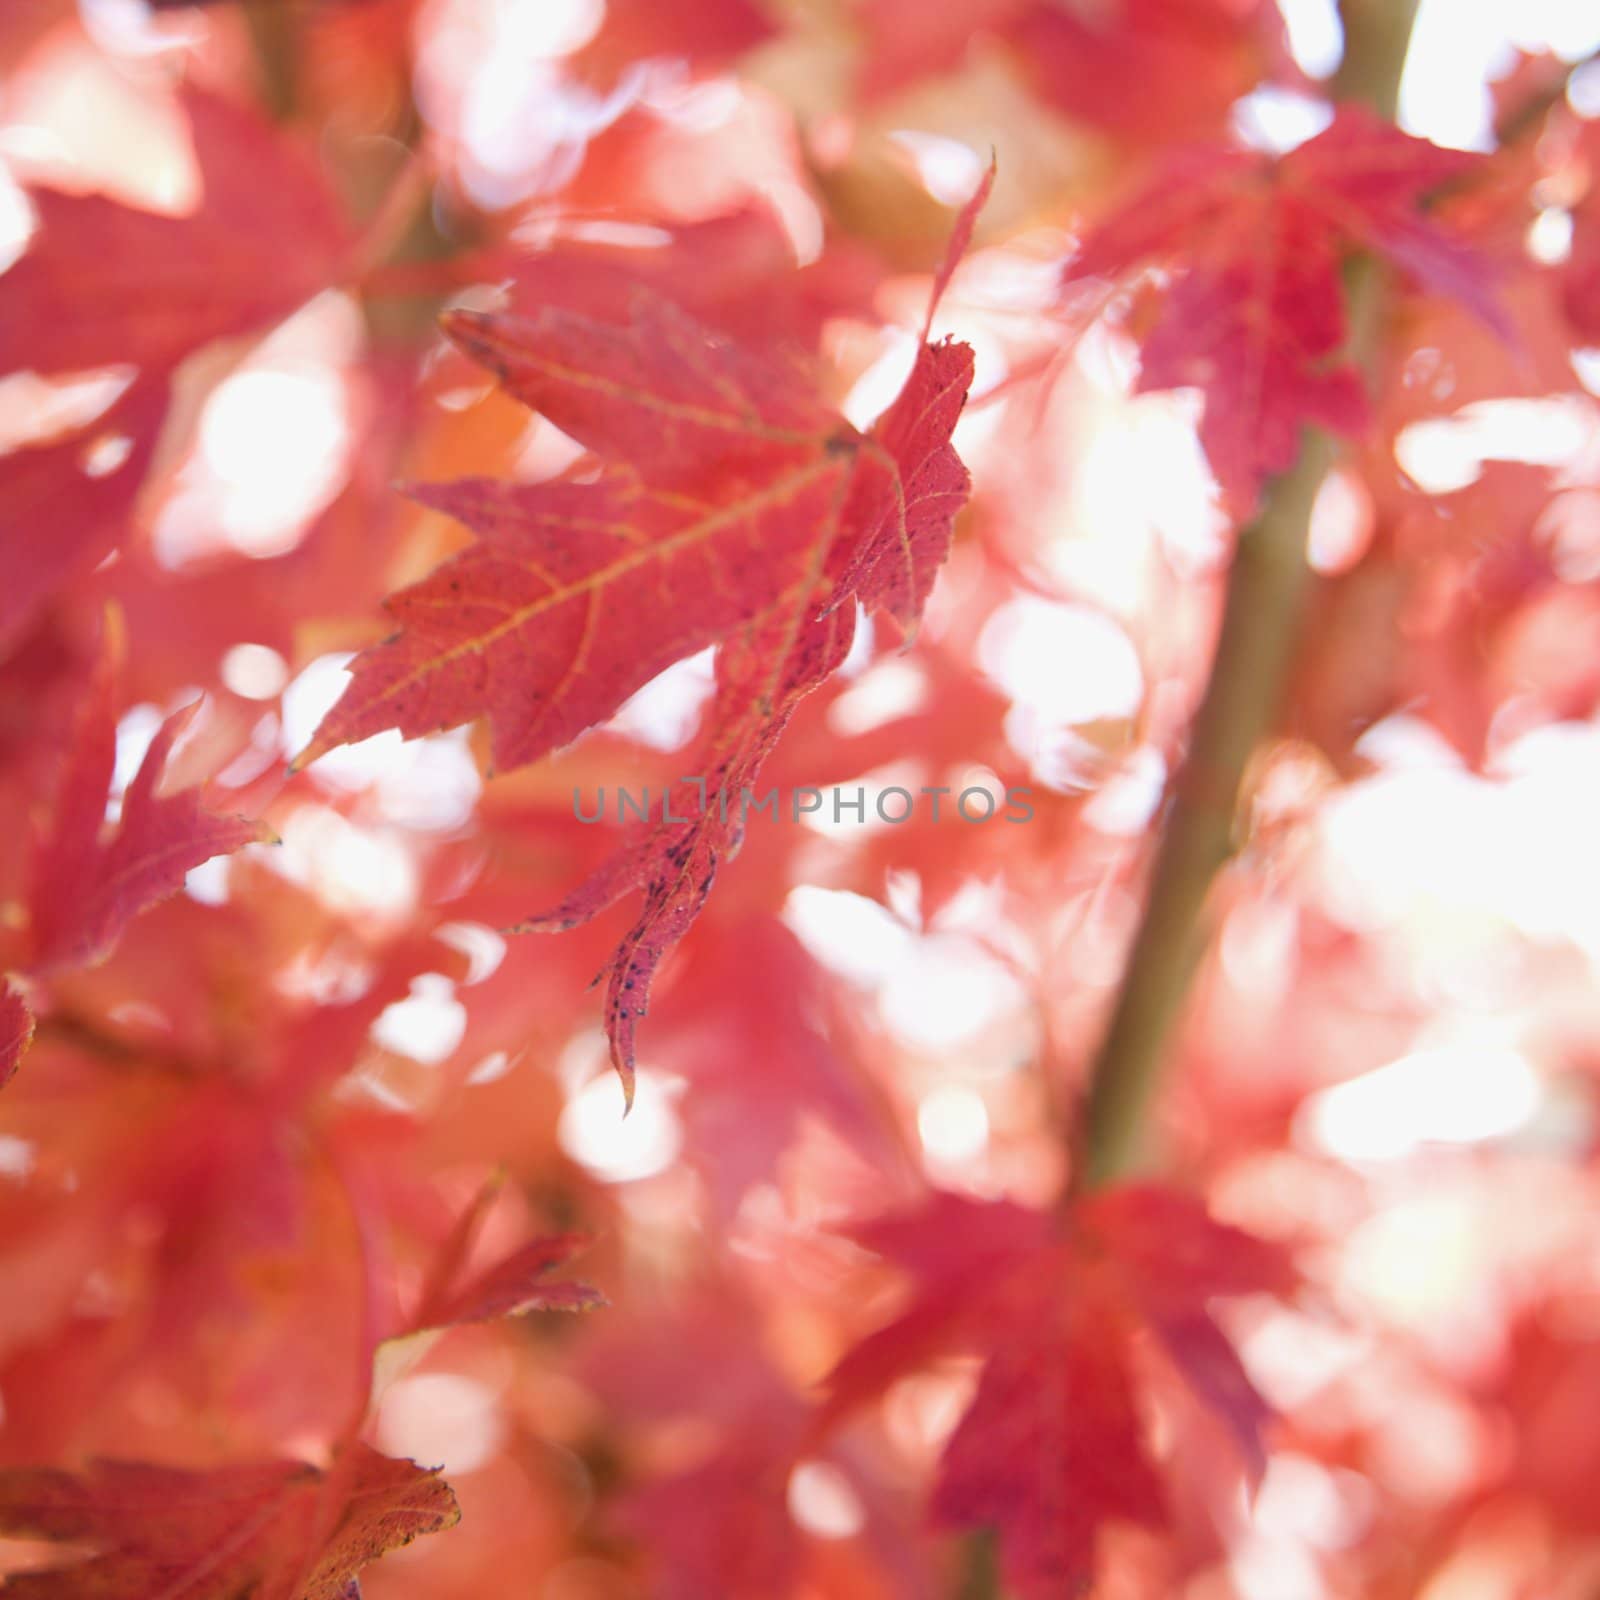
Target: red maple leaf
88, 880
1192, 59
733, 508
104, 283
68, 504
1053, 1444
511, 1287
281, 1530
715, 1022
1255, 317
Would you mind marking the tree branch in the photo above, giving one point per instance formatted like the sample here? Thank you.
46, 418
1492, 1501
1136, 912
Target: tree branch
1255, 649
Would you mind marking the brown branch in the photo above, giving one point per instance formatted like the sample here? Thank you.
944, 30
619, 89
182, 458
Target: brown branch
1255, 649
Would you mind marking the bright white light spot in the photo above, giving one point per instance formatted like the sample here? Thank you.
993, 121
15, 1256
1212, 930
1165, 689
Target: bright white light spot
1550, 237
427, 784
1264, 1570
1421, 1261
1290, 1357
949, 170
427, 1025
1061, 663
953, 1124
872, 393
34, 408
860, 654
1315, 38
1113, 486
430, 785
524, 122
665, 713
1444, 454
104, 454
822, 1501
1341, 524
131, 28
799, 216
136, 728
1127, 802
893, 689
951, 992
208, 883
1461, 1094
276, 442
1407, 743
444, 1419
351, 869
549, 29
921, 1413
848, 933
255, 671
617, 1148
482, 946
311, 697
1448, 857
16, 219
1457, 47
1276, 120
16, 1157
272, 450
1303, 1501
492, 1068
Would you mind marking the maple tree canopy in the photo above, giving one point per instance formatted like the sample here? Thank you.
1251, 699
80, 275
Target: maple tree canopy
796, 800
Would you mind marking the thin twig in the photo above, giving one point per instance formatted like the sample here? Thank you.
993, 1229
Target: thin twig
1255, 650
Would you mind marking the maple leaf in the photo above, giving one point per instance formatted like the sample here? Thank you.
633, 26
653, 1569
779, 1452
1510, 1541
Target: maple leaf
735, 272
1192, 59
706, 33
1255, 319
739, 1123
103, 284
281, 1530
89, 881
511, 1287
734, 508
64, 515
1053, 1445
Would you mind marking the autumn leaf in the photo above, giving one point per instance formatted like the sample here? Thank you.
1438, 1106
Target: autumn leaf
738, 1123
1255, 317
512, 1286
68, 501
279, 1531
1053, 1444
103, 284
734, 508
580, 592
89, 881
1191, 61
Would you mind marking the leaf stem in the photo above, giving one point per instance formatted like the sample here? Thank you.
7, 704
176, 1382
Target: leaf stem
1266, 588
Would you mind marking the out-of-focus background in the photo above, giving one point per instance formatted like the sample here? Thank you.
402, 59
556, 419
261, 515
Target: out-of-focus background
1389, 1061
